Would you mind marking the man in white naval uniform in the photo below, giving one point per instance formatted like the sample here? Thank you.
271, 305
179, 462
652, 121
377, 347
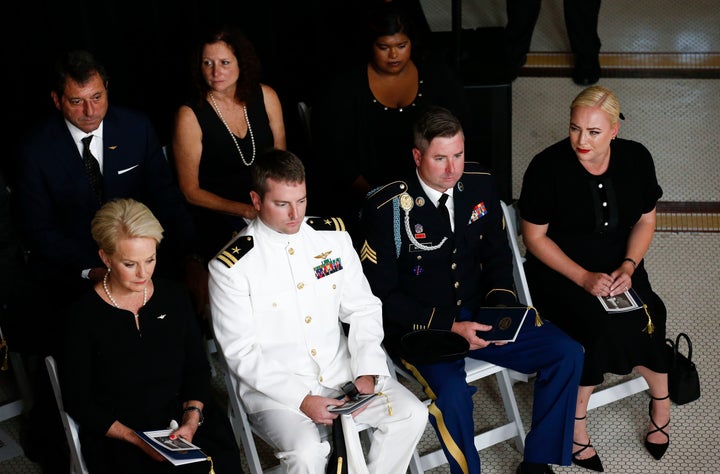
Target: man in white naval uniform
278, 293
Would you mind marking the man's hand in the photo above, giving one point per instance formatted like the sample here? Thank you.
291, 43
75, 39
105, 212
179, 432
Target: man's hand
97, 274
315, 407
365, 384
468, 330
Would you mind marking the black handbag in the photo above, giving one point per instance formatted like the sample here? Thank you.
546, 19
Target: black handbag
683, 378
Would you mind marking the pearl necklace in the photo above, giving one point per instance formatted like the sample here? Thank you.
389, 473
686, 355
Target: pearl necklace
232, 135
110, 296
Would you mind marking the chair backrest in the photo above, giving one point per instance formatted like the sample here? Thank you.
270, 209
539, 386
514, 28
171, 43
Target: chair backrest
77, 463
604, 396
518, 273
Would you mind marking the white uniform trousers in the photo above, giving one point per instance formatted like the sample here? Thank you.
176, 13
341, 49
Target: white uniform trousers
298, 445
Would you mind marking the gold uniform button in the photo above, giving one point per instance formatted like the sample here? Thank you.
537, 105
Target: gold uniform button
291, 251
320, 379
453, 266
313, 352
274, 305
459, 302
300, 285
481, 237
456, 284
334, 286
308, 319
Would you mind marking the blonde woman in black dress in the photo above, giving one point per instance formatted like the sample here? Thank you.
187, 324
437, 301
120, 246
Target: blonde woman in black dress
588, 218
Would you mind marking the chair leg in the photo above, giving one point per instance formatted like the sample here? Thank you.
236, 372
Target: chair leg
511, 408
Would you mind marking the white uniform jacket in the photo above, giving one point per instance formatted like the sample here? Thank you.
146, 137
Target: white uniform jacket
276, 302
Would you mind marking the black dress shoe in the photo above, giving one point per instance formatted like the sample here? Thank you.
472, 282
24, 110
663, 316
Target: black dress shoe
657, 450
533, 468
593, 462
587, 69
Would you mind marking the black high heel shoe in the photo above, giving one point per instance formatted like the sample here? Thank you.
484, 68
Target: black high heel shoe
657, 450
593, 463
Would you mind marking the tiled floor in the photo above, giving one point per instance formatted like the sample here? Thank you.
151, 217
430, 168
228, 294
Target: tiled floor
676, 118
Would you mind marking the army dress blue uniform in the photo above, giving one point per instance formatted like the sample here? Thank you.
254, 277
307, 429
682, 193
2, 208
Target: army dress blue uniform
425, 283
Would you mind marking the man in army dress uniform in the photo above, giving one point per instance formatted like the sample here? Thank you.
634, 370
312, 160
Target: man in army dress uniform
434, 274
278, 293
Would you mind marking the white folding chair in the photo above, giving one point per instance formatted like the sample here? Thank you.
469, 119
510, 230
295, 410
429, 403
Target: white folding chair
478, 369
77, 463
601, 397
243, 429
518, 273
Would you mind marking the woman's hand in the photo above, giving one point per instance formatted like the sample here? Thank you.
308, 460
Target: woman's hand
154, 455
597, 284
119, 431
622, 279
185, 431
248, 211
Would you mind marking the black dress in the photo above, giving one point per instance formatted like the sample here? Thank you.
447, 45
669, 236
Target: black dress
224, 173
590, 218
111, 371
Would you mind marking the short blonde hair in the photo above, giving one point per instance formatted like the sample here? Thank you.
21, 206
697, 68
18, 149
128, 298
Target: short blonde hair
599, 96
123, 219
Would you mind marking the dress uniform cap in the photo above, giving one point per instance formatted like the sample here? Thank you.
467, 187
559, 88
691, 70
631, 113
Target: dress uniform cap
427, 346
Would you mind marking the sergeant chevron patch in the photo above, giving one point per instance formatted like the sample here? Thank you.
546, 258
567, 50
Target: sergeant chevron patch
367, 253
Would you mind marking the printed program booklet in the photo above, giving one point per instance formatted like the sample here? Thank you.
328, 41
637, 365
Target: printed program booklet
352, 405
506, 322
178, 451
622, 302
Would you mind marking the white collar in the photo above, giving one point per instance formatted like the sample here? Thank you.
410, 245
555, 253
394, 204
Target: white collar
433, 194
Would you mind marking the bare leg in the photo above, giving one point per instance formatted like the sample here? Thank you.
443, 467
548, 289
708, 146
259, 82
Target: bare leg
658, 384
580, 434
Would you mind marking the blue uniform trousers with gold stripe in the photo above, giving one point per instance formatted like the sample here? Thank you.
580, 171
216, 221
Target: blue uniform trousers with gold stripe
545, 350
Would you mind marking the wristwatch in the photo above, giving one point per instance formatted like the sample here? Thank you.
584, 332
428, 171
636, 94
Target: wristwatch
197, 409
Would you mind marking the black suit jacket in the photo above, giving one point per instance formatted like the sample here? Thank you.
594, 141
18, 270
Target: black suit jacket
56, 203
423, 288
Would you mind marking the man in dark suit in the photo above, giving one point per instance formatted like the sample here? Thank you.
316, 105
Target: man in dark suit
67, 168
56, 197
435, 272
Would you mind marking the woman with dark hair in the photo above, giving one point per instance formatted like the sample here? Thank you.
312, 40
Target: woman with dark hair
362, 124
231, 119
